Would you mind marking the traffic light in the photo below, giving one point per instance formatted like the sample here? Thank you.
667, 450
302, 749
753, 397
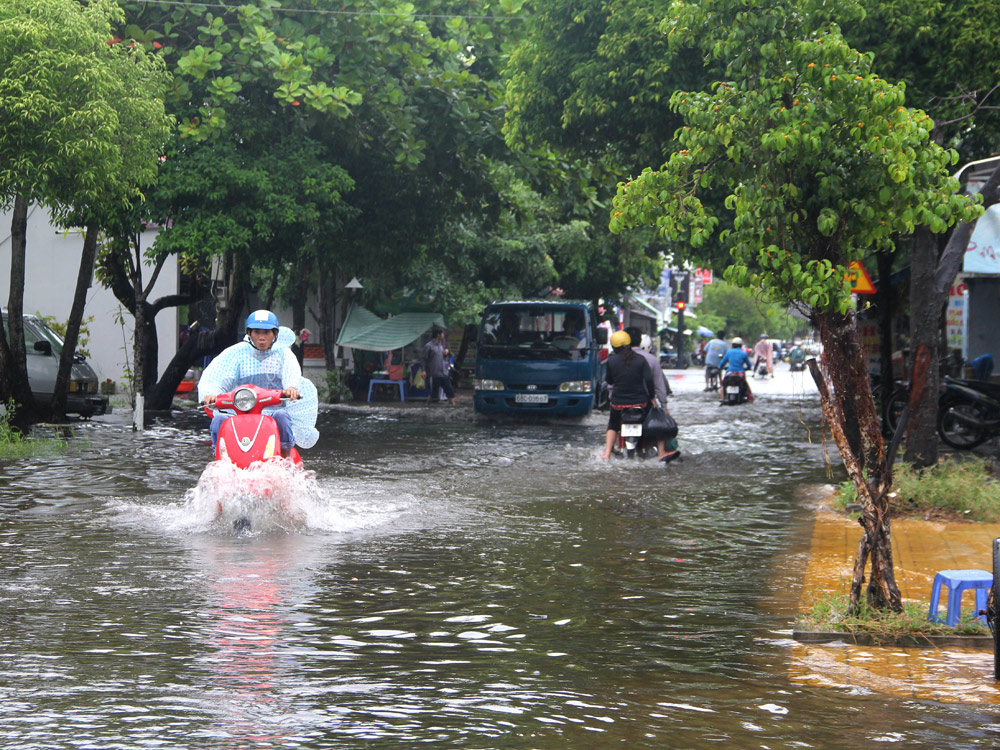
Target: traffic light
681, 304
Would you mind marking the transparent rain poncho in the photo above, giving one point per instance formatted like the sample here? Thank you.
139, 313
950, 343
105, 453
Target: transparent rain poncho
242, 364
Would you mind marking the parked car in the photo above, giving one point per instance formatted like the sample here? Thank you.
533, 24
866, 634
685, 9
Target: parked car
43, 347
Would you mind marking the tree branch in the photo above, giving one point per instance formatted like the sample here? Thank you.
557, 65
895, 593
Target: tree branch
951, 259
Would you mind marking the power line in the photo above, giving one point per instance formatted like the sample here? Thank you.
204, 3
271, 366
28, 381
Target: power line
324, 12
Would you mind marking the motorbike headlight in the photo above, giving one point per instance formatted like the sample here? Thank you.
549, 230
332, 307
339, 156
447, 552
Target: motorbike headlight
244, 399
575, 386
488, 385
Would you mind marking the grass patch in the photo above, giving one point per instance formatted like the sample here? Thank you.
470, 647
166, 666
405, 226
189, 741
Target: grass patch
829, 614
964, 488
14, 445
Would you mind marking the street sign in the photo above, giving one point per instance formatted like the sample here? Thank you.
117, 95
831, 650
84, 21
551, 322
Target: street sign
861, 283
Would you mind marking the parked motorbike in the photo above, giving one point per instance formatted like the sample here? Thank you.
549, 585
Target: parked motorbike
249, 443
735, 390
968, 412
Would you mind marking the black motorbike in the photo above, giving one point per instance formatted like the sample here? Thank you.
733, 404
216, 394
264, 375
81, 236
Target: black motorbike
631, 441
968, 412
735, 390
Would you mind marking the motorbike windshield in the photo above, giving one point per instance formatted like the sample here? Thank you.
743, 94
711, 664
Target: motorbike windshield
533, 333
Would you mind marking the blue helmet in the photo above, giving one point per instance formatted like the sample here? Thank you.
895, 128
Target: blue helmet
262, 319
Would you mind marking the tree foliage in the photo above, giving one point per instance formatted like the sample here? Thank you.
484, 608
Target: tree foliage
81, 125
821, 163
742, 312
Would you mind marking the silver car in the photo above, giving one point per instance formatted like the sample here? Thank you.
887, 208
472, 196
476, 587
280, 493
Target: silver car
43, 347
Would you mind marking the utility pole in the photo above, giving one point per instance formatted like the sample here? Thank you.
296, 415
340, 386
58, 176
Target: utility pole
683, 289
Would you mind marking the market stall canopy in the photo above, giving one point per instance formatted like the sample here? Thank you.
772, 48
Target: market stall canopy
363, 329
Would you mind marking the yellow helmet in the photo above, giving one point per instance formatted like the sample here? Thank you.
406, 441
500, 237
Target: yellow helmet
620, 338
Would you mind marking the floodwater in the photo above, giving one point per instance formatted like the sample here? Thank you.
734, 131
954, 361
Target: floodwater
441, 580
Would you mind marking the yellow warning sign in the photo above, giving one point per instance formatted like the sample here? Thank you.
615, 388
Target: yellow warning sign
861, 283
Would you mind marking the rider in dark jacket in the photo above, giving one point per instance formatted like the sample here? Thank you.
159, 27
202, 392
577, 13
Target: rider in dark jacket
631, 382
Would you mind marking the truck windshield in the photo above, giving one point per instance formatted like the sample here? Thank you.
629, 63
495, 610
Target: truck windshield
519, 332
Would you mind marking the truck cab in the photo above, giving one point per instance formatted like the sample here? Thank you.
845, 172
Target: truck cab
539, 357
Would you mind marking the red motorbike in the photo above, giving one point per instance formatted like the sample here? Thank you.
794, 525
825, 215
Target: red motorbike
249, 436
250, 474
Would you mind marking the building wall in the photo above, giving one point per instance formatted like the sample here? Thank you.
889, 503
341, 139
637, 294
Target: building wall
52, 264
983, 313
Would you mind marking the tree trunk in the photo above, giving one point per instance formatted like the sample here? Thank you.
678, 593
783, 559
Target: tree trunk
138, 355
83, 282
849, 410
327, 315
926, 309
884, 302
13, 364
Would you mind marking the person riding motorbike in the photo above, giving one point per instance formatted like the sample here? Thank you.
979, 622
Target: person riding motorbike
661, 389
259, 360
796, 358
715, 350
631, 382
735, 361
764, 353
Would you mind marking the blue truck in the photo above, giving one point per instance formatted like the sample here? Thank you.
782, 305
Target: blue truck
540, 357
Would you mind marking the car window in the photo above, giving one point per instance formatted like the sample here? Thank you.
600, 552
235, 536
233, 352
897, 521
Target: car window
43, 331
37, 331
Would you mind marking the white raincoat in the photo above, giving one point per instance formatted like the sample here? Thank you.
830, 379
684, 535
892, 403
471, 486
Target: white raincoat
243, 364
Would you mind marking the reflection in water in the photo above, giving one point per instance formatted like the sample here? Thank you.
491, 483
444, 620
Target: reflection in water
250, 594
444, 581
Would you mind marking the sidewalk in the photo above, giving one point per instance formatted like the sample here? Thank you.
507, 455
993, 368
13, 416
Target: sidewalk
920, 549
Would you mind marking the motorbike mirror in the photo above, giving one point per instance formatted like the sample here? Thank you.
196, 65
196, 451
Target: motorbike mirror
602, 336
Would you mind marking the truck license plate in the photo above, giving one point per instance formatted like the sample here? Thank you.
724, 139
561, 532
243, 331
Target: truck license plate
734, 389
531, 398
631, 430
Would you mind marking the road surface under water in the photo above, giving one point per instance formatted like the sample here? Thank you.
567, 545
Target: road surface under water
441, 580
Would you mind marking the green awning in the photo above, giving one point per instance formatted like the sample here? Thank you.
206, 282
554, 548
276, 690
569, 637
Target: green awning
363, 329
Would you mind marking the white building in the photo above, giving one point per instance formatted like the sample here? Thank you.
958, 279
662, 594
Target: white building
52, 263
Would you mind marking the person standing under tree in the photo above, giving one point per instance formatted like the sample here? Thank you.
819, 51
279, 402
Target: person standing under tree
435, 361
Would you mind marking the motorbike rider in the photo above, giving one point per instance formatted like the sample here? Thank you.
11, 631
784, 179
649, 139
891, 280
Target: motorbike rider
763, 352
661, 389
631, 384
796, 357
735, 361
256, 361
715, 350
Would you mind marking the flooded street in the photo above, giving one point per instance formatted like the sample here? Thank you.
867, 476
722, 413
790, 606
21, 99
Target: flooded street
445, 580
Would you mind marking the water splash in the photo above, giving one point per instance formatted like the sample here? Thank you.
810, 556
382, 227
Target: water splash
269, 497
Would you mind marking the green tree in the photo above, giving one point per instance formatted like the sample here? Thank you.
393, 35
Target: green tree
70, 107
405, 101
948, 56
743, 312
821, 163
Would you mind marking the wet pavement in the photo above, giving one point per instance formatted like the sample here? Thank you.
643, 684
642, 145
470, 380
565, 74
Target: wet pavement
920, 549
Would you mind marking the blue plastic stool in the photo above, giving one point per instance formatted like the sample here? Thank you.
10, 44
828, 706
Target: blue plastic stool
374, 382
957, 581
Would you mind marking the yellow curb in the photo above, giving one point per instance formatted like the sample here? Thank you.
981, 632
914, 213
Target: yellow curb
920, 549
